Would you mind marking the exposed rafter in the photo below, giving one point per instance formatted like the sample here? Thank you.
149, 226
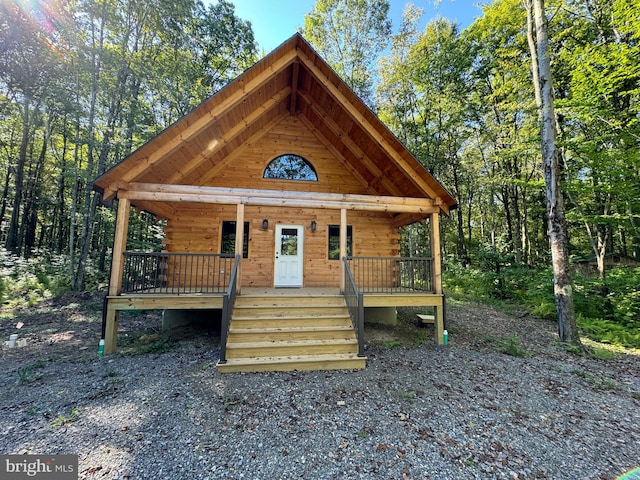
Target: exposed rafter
215, 144
162, 150
360, 117
237, 153
357, 152
295, 71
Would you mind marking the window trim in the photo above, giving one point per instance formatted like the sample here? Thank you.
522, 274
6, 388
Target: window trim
306, 163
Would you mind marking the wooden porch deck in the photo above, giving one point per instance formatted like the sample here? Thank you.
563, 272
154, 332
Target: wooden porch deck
149, 300
285, 300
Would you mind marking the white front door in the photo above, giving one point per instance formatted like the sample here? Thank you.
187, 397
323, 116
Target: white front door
289, 258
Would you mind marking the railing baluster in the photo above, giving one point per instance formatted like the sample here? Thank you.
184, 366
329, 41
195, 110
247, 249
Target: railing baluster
176, 273
180, 273
388, 275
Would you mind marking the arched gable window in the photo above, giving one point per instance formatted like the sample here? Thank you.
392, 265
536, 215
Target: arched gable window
290, 167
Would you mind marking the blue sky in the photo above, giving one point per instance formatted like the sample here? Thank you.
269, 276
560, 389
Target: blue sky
274, 21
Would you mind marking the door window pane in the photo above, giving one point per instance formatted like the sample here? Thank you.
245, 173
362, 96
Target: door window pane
289, 241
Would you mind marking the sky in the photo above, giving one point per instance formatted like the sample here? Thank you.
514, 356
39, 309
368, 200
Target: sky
274, 21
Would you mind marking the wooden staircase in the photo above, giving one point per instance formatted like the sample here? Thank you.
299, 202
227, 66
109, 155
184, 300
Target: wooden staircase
291, 332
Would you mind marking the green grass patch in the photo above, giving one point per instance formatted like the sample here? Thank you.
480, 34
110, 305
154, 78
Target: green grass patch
512, 345
597, 382
407, 394
607, 331
149, 343
61, 420
30, 373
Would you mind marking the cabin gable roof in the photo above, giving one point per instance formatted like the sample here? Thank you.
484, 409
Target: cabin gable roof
290, 86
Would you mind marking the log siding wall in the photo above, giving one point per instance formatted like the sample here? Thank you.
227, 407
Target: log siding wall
199, 230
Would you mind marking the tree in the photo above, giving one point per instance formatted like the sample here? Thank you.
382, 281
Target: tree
557, 224
81, 85
600, 66
350, 35
27, 84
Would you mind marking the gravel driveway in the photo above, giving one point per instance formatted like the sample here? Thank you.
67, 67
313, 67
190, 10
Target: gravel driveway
418, 411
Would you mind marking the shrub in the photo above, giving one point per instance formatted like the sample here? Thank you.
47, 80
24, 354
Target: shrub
608, 310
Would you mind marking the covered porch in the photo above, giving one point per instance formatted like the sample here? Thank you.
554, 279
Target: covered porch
167, 281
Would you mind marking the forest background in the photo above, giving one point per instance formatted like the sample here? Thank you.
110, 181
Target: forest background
85, 82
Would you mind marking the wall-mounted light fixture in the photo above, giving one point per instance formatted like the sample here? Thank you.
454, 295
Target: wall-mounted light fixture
314, 226
265, 224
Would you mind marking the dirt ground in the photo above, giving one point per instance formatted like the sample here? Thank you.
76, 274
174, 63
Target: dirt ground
159, 408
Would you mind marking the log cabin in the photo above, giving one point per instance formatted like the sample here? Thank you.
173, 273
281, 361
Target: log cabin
283, 196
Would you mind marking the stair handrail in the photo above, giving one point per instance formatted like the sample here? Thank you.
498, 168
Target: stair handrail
355, 304
228, 304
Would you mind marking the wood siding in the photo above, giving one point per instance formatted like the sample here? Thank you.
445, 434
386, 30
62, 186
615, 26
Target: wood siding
289, 136
198, 229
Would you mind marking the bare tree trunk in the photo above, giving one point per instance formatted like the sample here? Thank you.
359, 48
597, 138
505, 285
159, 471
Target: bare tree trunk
32, 197
5, 195
14, 242
87, 217
557, 225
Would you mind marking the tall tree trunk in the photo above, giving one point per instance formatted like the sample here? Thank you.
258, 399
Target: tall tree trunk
5, 195
14, 242
557, 225
462, 251
89, 208
57, 224
32, 199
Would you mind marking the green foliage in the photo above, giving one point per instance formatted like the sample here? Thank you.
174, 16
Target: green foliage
511, 345
607, 331
350, 36
407, 394
153, 343
24, 282
597, 382
608, 310
31, 372
162, 345
61, 420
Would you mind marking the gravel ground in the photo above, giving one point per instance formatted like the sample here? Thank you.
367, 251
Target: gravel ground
418, 411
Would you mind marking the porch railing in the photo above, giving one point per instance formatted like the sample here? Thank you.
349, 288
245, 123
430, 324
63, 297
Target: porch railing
228, 304
176, 273
392, 274
355, 304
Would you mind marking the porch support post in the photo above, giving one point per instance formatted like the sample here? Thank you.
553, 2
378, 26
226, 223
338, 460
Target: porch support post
239, 240
436, 271
117, 268
343, 245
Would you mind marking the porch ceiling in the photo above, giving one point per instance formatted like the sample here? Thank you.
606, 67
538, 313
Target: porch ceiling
291, 81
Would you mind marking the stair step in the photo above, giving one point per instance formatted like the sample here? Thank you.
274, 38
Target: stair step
289, 333
280, 310
292, 347
288, 322
293, 300
283, 333
290, 363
